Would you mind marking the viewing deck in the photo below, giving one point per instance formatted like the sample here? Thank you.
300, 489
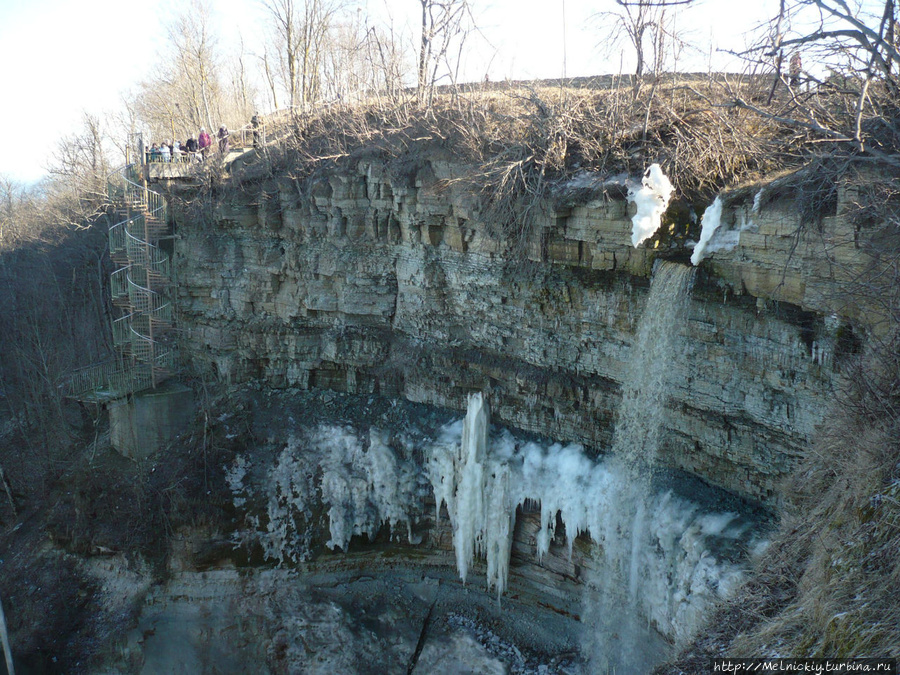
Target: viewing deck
141, 286
248, 138
187, 166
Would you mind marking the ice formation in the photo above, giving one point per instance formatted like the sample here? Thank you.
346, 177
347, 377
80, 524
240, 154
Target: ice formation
757, 202
477, 495
363, 485
655, 545
710, 222
661, 556
651, 200
712, 238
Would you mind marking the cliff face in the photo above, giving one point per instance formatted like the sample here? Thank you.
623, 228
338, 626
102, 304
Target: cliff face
369, 283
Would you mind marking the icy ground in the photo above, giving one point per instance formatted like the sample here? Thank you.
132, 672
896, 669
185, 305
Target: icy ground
278, 621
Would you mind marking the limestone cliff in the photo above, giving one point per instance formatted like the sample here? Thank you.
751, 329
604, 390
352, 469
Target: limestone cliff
363, 281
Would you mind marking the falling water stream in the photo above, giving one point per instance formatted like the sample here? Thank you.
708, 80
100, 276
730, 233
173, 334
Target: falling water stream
645, 387
617, 631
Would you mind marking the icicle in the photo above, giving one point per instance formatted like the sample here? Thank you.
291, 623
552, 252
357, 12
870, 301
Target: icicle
468, 526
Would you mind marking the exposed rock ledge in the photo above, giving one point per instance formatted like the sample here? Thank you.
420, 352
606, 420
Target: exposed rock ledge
369, 283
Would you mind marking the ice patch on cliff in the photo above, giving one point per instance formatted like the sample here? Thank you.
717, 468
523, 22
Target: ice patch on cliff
235, 475
363, 485
662, 556
712, 238
757, 202
710, 222
651, 200
669, 557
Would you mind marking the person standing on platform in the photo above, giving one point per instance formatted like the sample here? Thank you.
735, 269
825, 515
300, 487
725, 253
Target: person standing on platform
795, 68
223, 139
254, 124
204, 141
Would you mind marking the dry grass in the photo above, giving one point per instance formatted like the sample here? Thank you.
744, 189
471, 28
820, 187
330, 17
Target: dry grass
829, 582
844, 526
522, 142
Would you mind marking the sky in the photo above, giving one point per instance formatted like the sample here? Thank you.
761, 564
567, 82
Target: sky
63, 58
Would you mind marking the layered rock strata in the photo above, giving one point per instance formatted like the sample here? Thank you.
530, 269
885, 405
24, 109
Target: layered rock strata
365, 282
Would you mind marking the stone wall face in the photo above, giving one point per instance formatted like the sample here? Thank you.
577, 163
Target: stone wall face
369, 284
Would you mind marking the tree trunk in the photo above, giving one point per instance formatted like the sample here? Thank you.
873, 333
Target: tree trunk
423, 51
4, 639
8, 490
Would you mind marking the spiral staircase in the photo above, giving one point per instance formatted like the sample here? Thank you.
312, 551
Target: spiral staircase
142, 297
142, 285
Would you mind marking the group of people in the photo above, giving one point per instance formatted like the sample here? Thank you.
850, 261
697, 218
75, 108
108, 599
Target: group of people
194, 149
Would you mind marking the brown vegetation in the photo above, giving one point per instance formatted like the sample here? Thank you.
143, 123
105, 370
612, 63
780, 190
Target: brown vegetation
53, 318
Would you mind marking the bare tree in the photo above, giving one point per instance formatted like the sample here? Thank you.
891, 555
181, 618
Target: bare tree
11, 195
240, 102
195, 57
185, 92
301, 29
852, 61
362, 60
445, 26
78, 170
386, 51
269, 73
646, 28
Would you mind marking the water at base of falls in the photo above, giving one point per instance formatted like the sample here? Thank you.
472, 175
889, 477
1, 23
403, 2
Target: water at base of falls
639, 421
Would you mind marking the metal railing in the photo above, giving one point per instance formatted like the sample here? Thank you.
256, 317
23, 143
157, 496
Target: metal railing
118, 377
269, 128
141, 284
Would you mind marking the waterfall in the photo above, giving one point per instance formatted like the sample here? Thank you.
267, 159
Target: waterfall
662, 560
645, 391
614, 593
645, 387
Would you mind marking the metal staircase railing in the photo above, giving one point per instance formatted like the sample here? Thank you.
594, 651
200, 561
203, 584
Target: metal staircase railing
141, 286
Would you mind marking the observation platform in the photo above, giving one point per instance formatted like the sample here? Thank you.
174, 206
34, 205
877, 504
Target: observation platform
187, 167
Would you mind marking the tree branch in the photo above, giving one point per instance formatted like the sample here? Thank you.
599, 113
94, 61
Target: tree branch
836, 136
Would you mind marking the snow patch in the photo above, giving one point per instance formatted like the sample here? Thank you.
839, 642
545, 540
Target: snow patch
651, 201
710, 242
